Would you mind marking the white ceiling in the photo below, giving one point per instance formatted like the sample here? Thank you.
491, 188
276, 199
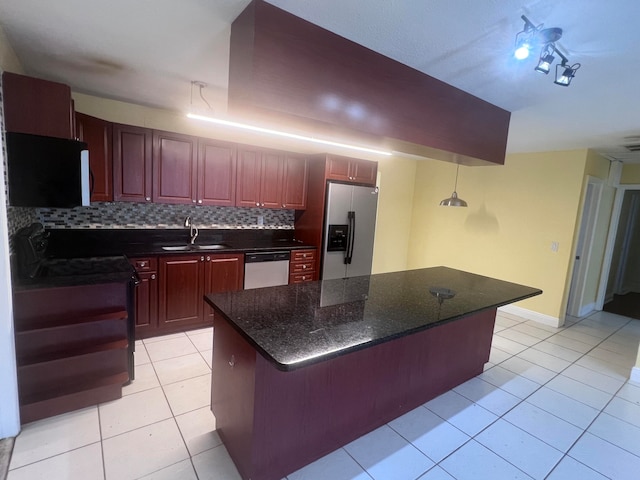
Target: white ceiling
148, 51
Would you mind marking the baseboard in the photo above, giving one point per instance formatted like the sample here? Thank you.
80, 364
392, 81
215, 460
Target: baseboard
586, 310
635, 375
531, 315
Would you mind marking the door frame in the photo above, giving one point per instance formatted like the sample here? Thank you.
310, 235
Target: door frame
611, 240
584, 246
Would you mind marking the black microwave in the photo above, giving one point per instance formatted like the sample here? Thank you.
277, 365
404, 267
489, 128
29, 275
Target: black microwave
47, 171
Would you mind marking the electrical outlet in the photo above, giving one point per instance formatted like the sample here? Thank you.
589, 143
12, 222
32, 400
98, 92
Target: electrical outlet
554, 246
260, 219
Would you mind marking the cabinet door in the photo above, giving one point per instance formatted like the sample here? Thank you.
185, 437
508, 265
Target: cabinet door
97, 133
36, 106
248, 179
223, 273
294, 191
338, 168
364, 171
131, 163
271, 174
216, 173
146, 304
174, 168
180, 290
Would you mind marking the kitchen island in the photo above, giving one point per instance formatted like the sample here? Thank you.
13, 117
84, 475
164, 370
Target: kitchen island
301, 370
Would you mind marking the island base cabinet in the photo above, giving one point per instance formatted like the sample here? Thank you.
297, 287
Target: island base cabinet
319, 408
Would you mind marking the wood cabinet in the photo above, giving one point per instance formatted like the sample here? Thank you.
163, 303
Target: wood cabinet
223, 273
174, 168
132, 154
98, 134
216, 173
302, 266
271, 179
180, 291
72, 347
294, 190
351, 170
183, 280
259, 180
146, 296
36, 106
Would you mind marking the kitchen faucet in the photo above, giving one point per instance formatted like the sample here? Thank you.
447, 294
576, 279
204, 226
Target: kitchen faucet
193, 231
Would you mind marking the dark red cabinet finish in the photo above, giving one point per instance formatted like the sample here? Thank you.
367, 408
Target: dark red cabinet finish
271, 170
146, 296
180, 290
216, 173
294, 189
174, 168
98, 134
183, 280
36, 106
351, 170
132, 153
223, 273
248, 180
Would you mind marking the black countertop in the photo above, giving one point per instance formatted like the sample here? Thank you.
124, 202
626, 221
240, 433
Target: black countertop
298, 325
78, 271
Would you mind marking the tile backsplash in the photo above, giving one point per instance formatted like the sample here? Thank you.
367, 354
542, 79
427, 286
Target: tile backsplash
118, 215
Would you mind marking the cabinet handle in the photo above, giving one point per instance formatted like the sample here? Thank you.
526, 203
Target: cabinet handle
232, 361
153, 277
262, 204
202, 258
193, 200
148, 199
304, 267
199, 201
284, 206
303, 277
304, 255
208, 258
257, 204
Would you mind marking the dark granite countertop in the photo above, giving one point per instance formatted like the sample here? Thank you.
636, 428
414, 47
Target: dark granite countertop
78, 271
72, 243
302, 324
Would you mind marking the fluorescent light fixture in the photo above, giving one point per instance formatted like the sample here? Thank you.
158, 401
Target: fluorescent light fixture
279, 133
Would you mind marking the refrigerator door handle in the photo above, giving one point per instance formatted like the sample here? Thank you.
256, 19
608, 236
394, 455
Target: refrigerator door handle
352, 237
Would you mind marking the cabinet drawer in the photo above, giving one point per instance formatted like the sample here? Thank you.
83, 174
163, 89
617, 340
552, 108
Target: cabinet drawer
145, 264
300, 277
303, 255
301, 267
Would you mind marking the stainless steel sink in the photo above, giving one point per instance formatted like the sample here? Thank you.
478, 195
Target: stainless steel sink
216, 246
187, 248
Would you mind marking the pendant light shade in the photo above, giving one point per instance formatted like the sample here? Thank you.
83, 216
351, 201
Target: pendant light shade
453, 200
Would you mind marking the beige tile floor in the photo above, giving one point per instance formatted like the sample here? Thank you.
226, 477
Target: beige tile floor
551, 404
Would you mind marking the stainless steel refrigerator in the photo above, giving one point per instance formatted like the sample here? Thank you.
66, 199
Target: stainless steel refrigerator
349, 227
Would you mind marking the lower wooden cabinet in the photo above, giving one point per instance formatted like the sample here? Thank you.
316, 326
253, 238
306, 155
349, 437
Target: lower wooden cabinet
169, 296
72, 347
302, 266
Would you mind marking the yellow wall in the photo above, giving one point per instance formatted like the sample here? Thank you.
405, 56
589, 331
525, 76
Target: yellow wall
515, 212
630, 174
396, 179
8, 59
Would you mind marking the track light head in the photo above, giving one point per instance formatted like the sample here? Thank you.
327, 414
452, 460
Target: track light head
565, 73
546, 59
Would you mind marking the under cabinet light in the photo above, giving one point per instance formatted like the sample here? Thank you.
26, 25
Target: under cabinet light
279, 133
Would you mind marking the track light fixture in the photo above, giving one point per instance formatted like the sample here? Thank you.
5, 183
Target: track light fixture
532, 36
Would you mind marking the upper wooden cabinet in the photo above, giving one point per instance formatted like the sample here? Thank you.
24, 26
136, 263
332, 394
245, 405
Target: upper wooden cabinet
132, 148
36, 106
271, 179
98, 133
294, 191
174, 168
216, 173
351, 170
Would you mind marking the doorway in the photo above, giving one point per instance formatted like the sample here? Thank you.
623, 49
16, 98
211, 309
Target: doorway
577, 306
622, 294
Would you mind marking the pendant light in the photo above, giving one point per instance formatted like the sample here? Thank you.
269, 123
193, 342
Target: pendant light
453, 200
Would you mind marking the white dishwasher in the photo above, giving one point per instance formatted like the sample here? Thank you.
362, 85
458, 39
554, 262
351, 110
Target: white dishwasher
266, 269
